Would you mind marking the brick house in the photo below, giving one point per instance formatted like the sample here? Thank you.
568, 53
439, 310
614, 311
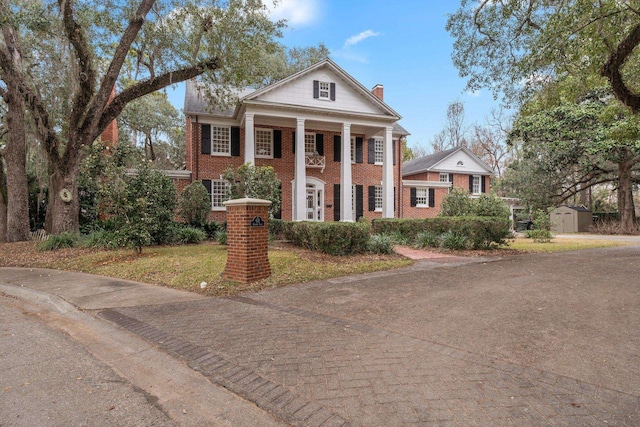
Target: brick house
426, 180
299, 126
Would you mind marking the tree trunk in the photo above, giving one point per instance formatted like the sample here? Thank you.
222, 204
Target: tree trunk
626, 207
3, 204
16, 158
63, 205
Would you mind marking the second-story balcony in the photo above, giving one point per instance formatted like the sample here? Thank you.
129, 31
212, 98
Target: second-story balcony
315, 161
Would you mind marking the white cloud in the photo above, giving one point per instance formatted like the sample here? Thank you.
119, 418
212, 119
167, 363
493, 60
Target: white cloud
296, 12
354, 40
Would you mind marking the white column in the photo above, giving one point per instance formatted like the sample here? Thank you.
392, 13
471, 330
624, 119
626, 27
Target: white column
300, 197
249, 140
387, 174
346, 181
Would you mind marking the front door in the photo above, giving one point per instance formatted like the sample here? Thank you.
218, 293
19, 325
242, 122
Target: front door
314, 203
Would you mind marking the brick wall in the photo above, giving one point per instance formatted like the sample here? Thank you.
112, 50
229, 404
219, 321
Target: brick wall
365, 174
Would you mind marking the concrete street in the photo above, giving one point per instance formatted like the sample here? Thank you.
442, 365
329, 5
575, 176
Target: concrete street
547, 339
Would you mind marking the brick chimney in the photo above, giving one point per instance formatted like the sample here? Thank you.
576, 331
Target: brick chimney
378, 91
109, 135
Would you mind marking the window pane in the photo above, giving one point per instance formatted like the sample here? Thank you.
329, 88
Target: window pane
310, 143
353, 149
444, 177
264, 142
422, 195
379, 146
476, 185
220, 140
218, 193
378, 197
324, 90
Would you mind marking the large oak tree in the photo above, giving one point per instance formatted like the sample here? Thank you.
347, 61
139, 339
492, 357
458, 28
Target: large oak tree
516, 47
76, 51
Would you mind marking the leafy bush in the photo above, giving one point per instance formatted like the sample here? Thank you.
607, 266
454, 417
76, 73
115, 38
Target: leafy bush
211, 228
221, 237
456, 203
195, 204
427, 239
58, 241
102, 239
381, 244
490, 205
276, 228
189, 235
481, 232
334, 238
454, 239
539, 236
258, 182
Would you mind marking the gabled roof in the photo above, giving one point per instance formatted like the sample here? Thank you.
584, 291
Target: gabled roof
196, 102
325, 63
428, 163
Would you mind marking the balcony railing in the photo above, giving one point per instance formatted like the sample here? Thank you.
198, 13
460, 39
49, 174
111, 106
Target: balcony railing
315, 161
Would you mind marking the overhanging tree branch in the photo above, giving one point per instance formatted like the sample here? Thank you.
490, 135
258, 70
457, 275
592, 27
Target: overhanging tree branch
612, 69
146, 87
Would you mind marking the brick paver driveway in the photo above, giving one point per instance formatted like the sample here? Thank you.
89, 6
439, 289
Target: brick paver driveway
531, 340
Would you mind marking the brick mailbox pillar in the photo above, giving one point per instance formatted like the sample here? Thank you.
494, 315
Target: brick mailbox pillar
247, 240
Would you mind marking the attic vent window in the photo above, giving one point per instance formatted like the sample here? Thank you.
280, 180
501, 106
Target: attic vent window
324, 90
460, 163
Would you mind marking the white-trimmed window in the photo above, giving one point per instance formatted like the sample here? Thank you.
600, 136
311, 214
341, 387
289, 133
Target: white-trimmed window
220, 140
310, 144
477, 186
378, 198
422, 197
379, 151
264, 143
324, 91
353, 149
219, 189
444, 177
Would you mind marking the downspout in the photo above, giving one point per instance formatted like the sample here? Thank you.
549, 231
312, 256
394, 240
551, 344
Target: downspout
195, 149
401, 141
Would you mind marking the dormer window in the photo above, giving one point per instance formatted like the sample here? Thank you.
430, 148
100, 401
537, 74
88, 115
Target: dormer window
324, 90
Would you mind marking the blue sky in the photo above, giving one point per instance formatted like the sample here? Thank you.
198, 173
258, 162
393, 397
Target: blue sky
400, 44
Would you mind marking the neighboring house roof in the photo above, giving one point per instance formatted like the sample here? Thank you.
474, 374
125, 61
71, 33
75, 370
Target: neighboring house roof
434, 162
196, 101
575, 208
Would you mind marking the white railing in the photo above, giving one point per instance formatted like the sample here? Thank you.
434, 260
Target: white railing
315, 161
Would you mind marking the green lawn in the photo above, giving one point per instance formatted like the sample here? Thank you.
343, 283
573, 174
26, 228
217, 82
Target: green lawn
562, 245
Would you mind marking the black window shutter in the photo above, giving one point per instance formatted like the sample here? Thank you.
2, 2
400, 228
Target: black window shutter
372, 198
432, 198
332, 91
394, 152
293, 138
471, 184
235, 141
337, 148
207, 185
359, 150
336, 202
359, 202
451, 178
316, 89
206, 139
320, 144
483, 182
413, 197
277, 144
371, 151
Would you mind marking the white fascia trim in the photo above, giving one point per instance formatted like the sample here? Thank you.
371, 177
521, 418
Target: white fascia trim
431, 184
271, 108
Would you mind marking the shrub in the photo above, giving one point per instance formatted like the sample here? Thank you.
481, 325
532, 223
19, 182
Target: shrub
381, 244
490, 205
276, 228
102, 239
539, 236
334, 238
221, 237
427, 239
211, 228
454, 239
195, 204
58, 241
259, 182
456, 203
189, 235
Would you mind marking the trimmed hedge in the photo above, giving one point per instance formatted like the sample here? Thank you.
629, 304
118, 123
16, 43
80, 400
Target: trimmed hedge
481, 232
334, 238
